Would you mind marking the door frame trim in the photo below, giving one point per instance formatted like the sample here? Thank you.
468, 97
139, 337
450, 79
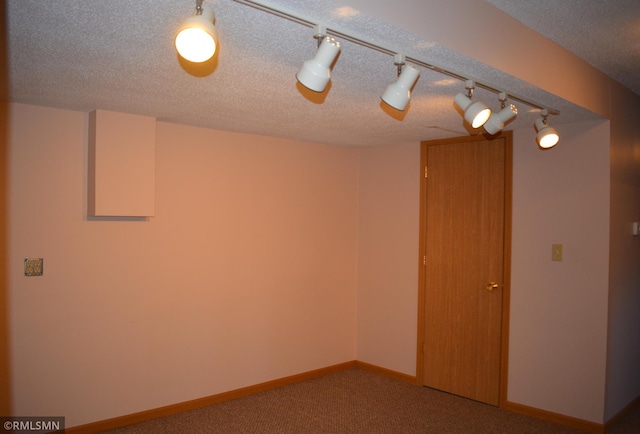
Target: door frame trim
506, 294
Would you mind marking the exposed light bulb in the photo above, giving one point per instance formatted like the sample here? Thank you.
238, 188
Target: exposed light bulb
196, 40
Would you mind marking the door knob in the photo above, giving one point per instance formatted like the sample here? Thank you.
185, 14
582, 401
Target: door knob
492, 285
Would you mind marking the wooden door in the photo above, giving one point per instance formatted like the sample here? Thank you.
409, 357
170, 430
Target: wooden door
464, 265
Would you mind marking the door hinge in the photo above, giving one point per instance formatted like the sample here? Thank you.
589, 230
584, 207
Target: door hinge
424, 260
425, 171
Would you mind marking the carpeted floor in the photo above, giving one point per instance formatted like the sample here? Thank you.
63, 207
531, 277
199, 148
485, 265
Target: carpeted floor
355, 401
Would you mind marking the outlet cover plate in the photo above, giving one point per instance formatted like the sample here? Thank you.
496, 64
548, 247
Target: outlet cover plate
33, 266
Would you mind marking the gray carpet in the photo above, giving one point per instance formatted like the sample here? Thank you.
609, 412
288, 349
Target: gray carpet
355, 401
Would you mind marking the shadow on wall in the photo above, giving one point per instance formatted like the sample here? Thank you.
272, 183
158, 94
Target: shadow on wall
5, 395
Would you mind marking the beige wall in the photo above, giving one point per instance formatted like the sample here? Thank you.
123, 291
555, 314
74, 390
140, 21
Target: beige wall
246, 274
557, 346
388, 256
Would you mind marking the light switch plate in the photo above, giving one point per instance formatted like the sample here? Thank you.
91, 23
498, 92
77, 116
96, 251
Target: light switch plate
33, 266
556, 252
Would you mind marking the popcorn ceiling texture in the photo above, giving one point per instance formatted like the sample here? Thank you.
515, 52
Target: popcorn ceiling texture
88, 54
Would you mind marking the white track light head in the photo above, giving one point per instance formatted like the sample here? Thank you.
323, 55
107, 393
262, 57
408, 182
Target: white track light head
547, 136
197, 38
497, 121
398, 94
475, 113
316, 73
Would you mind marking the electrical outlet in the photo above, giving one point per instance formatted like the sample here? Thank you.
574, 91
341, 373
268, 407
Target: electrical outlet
33, 266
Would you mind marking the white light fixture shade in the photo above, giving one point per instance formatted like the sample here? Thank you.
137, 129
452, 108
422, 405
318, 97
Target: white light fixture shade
496, 122
547, 137
398, 94
316, 73
476, 113
197, 38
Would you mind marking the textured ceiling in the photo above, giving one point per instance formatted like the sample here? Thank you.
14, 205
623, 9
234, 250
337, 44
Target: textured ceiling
119, 55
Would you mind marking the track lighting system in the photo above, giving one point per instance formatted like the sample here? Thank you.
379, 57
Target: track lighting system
315, 74
547, 136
